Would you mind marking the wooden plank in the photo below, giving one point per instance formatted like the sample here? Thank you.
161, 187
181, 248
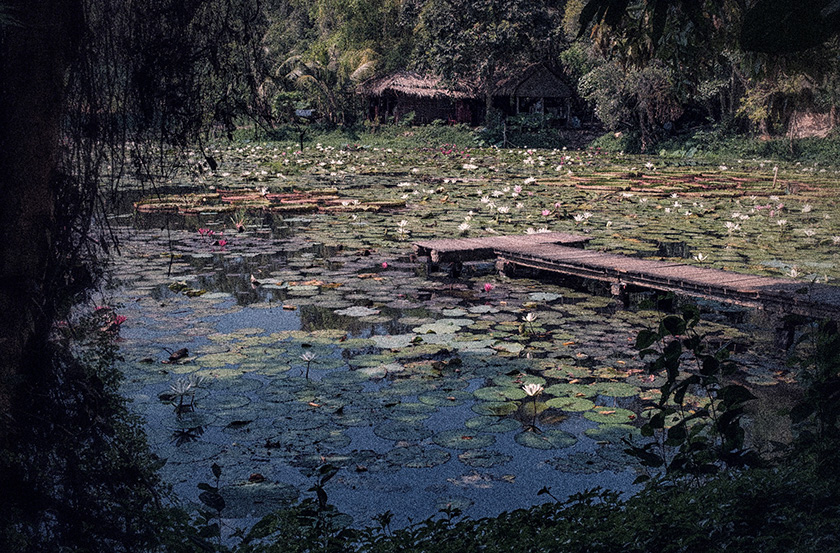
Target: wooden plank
472, 249
554, 252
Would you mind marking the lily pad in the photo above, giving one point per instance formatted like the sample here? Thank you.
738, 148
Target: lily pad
544, 297
444, 398
357, 311
415, 456
547, 439
610, 415
463, 439
567, 403
257, 499
489, 423
500, 393
438, 327
484, 458
393, 342
612, 433
495, 408
402, 431
614, 389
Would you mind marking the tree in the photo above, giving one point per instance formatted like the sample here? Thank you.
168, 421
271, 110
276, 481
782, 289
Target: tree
90, 84
473, 41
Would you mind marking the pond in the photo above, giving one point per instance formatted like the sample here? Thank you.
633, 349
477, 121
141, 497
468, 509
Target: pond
314, 336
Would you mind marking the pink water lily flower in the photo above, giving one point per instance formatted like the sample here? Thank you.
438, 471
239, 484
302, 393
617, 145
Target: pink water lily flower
487, 286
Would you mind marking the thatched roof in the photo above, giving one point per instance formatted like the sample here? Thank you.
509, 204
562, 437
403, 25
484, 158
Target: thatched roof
534, 81
414, 84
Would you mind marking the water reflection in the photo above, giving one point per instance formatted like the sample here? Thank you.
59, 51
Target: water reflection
186, 435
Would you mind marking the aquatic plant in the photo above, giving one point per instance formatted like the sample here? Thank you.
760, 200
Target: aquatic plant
691, 441
308, 358
533, 390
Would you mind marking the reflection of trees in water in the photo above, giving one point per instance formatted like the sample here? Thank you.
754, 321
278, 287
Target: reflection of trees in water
313, 317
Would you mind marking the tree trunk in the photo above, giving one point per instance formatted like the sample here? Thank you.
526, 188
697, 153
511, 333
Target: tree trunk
35, 52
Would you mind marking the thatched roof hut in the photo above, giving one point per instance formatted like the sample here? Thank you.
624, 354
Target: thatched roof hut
534, 81
426, 96
408, 83
535, 89
532, 89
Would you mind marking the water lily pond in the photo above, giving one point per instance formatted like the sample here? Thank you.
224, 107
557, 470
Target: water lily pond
277, 319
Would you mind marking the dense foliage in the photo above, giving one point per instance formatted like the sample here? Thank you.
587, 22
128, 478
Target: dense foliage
90, 85
651, 68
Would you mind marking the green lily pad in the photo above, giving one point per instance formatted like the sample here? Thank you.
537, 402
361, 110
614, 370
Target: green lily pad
444, 398
257, 499
585, 462
500, 393
393, 342
484, 458
463, 439
547, 439
612, 433
508, 347
610, 415
402, 431
415, 456
564, 389
567, 403
357, 311
614, 389
488, 423
438, 327
410, 412
495, 408
544, 297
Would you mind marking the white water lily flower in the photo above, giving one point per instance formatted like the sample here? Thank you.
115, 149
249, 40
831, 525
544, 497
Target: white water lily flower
309, 357
531, 317
532, 389
181, 387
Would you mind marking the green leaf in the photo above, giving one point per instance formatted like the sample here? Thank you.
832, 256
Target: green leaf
645, 339
735, 395
673, 325
212, 499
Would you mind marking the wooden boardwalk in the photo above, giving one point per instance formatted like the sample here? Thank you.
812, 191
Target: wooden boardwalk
552, 252
450, 250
